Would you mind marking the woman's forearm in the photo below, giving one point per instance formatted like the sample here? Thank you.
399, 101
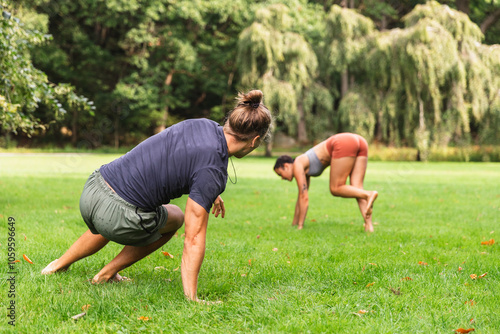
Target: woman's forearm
303, 203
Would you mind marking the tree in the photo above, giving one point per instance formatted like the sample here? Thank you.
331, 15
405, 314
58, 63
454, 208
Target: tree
23, 87
429, 82
272, 56
345, 29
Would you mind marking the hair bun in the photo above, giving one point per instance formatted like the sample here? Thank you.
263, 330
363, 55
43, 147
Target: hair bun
252, 98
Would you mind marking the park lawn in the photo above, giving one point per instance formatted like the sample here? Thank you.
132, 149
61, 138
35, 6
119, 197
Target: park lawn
411, 276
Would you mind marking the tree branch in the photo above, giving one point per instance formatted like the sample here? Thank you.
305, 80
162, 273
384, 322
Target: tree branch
490, 20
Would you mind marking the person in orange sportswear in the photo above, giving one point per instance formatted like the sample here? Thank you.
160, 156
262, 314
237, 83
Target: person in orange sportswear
347, 155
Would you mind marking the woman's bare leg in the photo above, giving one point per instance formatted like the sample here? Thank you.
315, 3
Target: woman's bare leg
355, 167
356, 179
86, 245
131, 254
340, 169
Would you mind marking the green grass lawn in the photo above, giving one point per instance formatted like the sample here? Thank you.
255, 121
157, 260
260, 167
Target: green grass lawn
431, 219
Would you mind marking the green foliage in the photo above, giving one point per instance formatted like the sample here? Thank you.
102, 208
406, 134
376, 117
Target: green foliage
345, 30
455, 22
150, 63
24, 89
428, 83
272, 55
355, 114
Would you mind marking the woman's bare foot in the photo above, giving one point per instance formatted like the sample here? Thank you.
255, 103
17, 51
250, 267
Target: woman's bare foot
369, 227
53, 268
369, 205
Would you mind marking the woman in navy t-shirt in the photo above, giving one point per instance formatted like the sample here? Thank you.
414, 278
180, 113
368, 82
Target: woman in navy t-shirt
126, 201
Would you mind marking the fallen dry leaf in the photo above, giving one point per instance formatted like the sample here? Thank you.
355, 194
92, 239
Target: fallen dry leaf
275, 249
422, 263
143, 318
78, 316
473, 276
459, 269
370, 284
15, 261
373, 264
407, 278
85, 307
27, 258
461, 330
176, 269
470, 302
483, 275
396, 292
168, 254
488, 243
362, 311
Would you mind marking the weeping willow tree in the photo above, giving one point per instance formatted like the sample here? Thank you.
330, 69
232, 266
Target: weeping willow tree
344, 40
489, 124
280, 61
471, 91
427, 84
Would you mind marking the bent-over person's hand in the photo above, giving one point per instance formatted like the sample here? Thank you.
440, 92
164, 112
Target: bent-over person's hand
218, 207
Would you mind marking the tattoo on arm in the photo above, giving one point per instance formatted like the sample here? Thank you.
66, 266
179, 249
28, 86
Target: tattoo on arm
304, 187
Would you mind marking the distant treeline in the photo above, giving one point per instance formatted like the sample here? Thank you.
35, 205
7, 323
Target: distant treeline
111, 73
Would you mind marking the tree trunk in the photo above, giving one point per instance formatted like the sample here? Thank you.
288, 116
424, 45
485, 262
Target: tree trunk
421, 118
490, 20
117, 128
301, 129
224, 97
383, 23
380, 114
74, 127
164, 118
463, 6
344, 85
269, 148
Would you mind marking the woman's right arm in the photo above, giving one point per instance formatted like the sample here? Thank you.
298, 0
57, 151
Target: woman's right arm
302, 204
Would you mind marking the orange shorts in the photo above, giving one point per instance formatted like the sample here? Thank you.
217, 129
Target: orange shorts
347, 145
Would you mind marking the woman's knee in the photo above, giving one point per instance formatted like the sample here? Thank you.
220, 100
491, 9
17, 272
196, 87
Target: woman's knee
335, 190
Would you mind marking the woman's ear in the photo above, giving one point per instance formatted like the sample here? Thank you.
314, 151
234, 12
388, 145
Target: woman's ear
256, 140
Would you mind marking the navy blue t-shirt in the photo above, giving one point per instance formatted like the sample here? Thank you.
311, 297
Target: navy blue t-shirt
187, 158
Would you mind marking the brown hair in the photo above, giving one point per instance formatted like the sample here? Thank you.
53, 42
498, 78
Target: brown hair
281, 161
250, 117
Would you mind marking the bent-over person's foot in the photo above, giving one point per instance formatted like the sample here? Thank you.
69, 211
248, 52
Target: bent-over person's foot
368, 227
369, 205
52, 268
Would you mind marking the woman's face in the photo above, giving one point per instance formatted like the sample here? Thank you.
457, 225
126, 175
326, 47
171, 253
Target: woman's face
285, 172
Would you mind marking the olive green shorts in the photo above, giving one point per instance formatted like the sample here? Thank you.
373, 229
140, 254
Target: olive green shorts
109, 215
